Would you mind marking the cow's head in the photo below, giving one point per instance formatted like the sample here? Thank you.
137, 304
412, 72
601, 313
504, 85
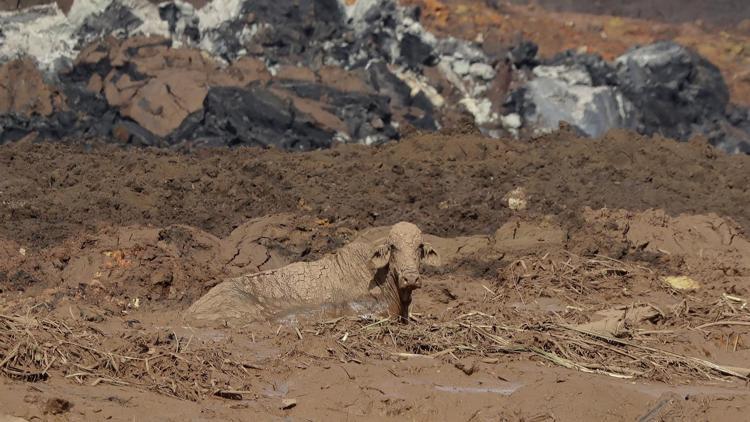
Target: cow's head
400, 257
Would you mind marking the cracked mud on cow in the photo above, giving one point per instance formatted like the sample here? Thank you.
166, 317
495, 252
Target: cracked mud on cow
374, 210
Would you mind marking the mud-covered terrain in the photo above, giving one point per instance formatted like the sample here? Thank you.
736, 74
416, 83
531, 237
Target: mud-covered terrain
581, 280
587, 270
450, 184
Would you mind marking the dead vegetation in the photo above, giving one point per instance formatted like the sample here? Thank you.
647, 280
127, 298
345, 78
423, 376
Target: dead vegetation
31, 348
628, 341
572, 276
476, 334
616, 344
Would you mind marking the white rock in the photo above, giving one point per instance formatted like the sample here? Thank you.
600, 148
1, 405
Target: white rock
517, 200
480, 108
217, 12
573, 75
461, 67
482, 70
593, 109
418, 83
511, 121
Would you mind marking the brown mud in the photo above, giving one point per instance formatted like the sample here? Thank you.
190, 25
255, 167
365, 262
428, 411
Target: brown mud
552, 303
449, 184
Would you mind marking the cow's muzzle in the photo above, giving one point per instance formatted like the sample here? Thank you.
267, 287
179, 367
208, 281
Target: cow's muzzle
410, 281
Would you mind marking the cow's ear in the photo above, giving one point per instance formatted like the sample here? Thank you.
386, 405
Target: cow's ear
380, 256
430, 255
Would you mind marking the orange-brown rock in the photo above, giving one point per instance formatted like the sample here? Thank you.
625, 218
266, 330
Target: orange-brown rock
162, 104
296, 73
158, 86
314, 109
23, 90
344, 80
95, 84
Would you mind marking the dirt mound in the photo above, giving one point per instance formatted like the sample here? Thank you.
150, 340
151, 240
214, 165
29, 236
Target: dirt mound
711, 250
707, 237
448, 184
124, 268
121, 268
103, 248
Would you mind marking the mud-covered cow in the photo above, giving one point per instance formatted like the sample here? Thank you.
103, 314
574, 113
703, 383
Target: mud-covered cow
387, 270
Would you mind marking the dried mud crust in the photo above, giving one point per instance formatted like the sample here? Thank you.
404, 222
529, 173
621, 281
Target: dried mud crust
448, 183
548, 327
89, 327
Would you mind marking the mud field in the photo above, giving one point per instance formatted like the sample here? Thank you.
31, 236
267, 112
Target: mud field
153, 153
553, 301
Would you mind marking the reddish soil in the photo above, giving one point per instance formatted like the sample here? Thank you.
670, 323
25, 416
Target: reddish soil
717, 12
559, 311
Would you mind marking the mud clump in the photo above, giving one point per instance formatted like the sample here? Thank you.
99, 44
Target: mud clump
132, 266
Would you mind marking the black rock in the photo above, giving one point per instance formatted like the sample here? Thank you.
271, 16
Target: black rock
416, 53
14, 127
226, 40
674, 89
389, 85
135, 134
294, 30
357, 110
115, 18
251, 116
170, 13
524, 55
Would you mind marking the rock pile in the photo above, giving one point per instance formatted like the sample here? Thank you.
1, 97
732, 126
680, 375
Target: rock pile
662, 88
307, 74
293, 74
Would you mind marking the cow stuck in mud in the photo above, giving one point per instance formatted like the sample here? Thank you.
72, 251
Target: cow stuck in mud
385, 270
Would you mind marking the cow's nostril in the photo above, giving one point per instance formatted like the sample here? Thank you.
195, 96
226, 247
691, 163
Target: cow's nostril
411, 280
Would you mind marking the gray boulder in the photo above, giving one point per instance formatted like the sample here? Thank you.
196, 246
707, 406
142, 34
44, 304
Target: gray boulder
566, 93
676, 92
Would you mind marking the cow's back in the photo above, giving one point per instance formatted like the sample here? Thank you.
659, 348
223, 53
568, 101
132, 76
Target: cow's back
338, 278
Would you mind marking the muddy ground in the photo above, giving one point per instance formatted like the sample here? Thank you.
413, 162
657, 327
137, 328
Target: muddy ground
558, 310
450, 184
